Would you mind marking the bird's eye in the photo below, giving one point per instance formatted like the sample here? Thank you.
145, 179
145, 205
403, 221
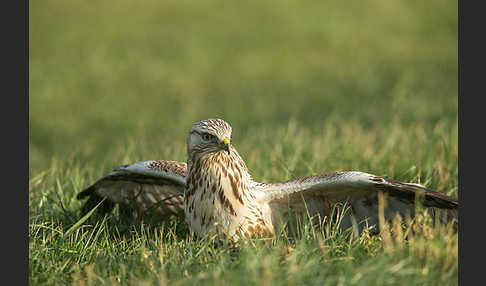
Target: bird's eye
207, 137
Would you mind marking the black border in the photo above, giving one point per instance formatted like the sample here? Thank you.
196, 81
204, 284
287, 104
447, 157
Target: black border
15, 120
471, 190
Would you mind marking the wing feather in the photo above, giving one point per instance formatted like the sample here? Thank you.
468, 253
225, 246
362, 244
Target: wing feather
318, 194
156, 186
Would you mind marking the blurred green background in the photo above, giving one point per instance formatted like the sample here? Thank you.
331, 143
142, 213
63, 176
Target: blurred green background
123, 81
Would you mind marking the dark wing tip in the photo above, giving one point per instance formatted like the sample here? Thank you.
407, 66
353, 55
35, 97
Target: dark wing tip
94, 200
87, 192
432, 198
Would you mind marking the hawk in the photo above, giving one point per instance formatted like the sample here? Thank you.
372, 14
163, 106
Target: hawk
215, 192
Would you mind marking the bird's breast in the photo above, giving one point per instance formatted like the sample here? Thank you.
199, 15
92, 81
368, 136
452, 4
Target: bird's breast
217, 199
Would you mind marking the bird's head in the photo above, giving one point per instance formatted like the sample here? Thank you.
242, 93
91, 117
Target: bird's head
209, 135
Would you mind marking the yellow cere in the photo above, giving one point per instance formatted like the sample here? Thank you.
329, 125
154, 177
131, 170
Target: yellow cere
226, 140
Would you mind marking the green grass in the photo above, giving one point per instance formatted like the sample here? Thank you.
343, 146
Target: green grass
309, 87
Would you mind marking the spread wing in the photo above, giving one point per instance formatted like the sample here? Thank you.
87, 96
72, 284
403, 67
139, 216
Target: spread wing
152, 187
319, 194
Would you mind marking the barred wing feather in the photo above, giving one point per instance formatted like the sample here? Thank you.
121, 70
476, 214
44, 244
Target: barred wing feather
156, 186
320, 193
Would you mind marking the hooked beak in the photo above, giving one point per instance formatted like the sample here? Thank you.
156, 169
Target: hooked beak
226, 144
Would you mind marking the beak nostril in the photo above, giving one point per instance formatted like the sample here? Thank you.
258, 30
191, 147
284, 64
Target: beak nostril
226, 141
226, 144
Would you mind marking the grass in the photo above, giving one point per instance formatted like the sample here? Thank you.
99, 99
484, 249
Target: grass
308, 87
